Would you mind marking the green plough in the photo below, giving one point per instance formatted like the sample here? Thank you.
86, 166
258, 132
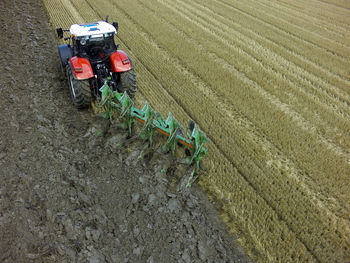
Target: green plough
194, 139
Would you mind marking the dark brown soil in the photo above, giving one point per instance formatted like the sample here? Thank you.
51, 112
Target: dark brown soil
73, 191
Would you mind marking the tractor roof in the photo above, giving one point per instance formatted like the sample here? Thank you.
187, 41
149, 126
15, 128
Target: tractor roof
92, 29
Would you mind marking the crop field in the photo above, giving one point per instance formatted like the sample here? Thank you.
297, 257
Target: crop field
269, 83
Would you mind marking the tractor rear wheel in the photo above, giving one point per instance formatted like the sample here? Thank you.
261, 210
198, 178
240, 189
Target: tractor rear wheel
80, 90
128, 82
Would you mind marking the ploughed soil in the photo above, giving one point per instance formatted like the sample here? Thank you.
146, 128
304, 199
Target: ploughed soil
74, 190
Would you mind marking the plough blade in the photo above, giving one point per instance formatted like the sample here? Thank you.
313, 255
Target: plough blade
126, 117
150, 116
114, 102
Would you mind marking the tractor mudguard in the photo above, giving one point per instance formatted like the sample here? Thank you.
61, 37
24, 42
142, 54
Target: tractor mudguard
120, 62
81, 68
65, 53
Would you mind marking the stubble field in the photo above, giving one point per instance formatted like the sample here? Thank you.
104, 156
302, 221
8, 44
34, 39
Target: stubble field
269, 82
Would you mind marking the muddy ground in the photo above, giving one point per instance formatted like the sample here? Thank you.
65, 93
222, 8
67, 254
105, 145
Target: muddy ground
73, 191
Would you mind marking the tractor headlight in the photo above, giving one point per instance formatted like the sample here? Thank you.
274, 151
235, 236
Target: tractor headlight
83, 41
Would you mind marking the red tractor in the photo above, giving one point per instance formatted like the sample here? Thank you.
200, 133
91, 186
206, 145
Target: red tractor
91, 58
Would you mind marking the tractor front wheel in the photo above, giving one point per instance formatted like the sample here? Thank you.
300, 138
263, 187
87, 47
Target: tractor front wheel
79, 90
128, 82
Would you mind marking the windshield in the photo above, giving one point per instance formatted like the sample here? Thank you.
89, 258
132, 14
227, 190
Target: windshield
96, 47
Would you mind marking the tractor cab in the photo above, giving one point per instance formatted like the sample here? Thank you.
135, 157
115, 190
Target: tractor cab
94, 41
